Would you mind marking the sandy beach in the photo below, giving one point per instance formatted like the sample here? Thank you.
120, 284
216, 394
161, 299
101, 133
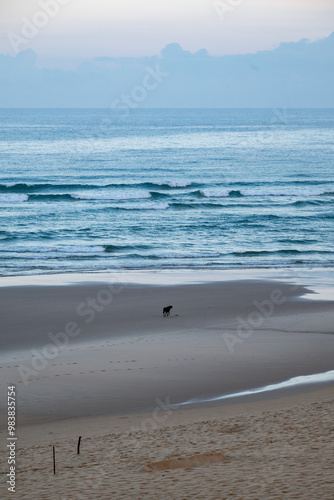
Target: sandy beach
277, 449
98, 360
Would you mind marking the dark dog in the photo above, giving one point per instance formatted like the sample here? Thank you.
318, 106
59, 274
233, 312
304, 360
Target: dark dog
166, 310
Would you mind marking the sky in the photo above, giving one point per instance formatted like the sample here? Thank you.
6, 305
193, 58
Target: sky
64, 33
293, 75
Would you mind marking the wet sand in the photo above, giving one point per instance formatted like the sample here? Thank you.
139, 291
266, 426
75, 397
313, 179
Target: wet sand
99, 360
94, 349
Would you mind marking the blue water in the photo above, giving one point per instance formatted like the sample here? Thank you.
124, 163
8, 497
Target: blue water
90, 190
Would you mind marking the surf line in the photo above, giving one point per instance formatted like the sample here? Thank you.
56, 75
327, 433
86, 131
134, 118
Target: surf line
292, 382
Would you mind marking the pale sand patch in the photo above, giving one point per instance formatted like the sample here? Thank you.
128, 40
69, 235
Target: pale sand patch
273, 449
186, 462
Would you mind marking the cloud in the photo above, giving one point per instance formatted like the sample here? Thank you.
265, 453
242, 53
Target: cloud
297, 74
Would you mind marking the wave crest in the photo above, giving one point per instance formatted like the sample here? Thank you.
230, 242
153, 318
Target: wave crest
111, 196
13, 198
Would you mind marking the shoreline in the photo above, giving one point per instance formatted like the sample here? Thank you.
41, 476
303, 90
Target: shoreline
269, 449
320, 280
160, 277
123, 421
97, 360
226, 403
104, 347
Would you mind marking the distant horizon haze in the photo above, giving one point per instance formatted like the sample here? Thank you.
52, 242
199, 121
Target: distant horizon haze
294, 75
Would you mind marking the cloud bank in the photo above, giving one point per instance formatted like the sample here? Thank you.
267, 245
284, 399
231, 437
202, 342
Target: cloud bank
294, 75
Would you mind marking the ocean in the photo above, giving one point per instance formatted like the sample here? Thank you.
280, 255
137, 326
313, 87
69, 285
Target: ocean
102, 190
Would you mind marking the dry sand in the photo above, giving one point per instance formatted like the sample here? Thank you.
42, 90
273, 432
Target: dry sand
125, 359
278, 449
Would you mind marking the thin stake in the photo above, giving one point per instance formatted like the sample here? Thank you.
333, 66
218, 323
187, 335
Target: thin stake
79, 441
54, 460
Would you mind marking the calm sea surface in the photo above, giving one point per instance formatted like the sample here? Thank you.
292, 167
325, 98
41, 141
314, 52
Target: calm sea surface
90, 190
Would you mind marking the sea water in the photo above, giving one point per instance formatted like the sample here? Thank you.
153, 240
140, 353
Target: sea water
99, 190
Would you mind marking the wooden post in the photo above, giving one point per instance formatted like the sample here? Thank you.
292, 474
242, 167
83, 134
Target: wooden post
54, 460
79, 441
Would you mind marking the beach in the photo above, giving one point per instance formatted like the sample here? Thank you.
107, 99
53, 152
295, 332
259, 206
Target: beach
166, 251
157, 399
271, 449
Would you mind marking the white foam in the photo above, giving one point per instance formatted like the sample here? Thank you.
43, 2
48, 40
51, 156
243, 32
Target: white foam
171, 255
146, 206
61, 249
304, 193
13, 198
292, 382
174, 183
217, 193
112, 196
15, 183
